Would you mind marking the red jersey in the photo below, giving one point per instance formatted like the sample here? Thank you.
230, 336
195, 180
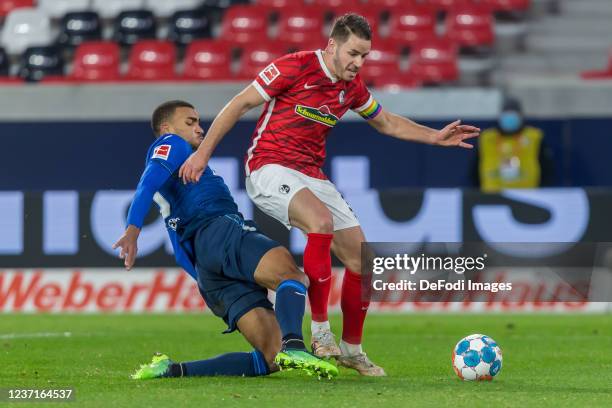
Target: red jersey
303, 103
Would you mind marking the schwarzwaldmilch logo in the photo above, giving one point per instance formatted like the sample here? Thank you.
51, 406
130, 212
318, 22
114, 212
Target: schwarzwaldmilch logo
284, 189
321, 115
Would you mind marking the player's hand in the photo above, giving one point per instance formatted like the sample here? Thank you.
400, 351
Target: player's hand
455, 134
128, 244
192, 169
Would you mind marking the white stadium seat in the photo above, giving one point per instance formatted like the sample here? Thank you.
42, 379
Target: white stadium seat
110, 8
57, 8
24, 28
165, 8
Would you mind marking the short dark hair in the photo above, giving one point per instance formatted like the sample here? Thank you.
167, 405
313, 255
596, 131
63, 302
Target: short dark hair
348, 24
164, 113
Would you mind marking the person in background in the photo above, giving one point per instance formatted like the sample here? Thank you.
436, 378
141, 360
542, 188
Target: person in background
513, 154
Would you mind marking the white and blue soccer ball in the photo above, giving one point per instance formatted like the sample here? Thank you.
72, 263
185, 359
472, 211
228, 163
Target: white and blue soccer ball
477, 358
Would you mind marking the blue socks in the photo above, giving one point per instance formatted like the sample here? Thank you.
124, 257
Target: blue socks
289, 308
230, 364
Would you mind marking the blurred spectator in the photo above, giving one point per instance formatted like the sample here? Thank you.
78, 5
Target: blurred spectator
512, 154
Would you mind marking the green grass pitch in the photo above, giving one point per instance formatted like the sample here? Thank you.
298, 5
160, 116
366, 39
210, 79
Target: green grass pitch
549, 360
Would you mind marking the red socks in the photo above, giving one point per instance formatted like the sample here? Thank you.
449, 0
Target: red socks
317, 266
354, 309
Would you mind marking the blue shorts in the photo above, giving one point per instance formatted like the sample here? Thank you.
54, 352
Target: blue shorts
227, 252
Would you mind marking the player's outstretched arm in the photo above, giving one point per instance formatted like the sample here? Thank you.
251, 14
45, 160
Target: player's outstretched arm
453, 134
194, 166
154, 176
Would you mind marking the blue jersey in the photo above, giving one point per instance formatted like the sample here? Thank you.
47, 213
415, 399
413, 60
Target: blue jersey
184, 207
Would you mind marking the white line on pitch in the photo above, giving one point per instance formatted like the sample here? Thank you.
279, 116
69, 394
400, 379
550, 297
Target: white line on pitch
11, 336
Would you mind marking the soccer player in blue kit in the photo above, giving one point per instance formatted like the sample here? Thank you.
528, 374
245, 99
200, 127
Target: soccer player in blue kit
233, 263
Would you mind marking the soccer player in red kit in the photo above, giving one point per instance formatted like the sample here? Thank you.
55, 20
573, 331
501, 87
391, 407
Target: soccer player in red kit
305, 94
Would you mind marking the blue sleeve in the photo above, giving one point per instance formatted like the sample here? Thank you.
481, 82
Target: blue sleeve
171, 152
154, 176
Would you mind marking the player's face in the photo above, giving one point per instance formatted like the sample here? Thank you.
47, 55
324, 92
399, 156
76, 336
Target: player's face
350, 56
186, 123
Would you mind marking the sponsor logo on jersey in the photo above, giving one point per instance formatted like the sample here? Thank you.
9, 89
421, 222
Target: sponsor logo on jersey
161, 152
269, 74
321, 115
341, 97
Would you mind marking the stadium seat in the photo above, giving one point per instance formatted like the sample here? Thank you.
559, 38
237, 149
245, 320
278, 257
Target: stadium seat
395, 82
507, 5
470, 25
256, 57
6, 6
383, 59
410, 24
299, 24
309, 45
208, 60
165, 8
24, 28
152, 60
386, 5
57, 8
80, 26
96, 61
243, 24
189, 25
445, 5
434, 61
132, 26
275, 3
334, 4
38, 62
112, 8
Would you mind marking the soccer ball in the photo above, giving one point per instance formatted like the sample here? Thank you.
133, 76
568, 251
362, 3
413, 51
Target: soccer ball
477, 358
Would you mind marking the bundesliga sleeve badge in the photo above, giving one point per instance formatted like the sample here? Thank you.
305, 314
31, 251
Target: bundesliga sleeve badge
269, 74
161, 152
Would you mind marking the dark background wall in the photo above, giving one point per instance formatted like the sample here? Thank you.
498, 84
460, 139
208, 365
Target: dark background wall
110, 155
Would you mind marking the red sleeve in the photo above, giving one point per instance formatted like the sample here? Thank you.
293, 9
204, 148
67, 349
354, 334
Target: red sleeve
364, 103
362, 94
277, 77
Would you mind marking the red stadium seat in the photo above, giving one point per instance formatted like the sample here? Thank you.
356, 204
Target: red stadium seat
275, 3
412, 24
383, 59
333, 4
445, 5
256, 57
208, 60
244, 23
434, 61
386, 5
507, 5
6, 6
152, 60
394, 82
96, 61
300, 24
470, 25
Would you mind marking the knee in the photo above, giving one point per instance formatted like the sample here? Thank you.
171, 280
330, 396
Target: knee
293, 273
322, 224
